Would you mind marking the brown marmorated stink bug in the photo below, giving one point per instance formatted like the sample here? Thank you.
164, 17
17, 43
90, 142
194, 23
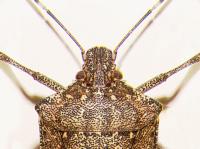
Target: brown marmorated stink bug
99, 110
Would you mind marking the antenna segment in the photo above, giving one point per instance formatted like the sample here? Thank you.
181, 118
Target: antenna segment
157, 4
61, 25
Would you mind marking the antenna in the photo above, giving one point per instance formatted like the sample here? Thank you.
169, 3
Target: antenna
61, 25
43, 17
135, 26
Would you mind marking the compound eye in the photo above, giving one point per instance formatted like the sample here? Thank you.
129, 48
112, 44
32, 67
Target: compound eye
81, 76
117, 75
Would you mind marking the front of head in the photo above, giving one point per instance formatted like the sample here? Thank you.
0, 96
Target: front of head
99, 68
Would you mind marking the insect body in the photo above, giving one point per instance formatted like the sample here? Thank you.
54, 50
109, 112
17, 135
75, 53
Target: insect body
99, 110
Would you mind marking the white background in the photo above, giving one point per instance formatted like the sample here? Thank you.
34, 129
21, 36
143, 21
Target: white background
172, 39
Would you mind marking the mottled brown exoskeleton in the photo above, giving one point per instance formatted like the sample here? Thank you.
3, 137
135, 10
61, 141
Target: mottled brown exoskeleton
99, 110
